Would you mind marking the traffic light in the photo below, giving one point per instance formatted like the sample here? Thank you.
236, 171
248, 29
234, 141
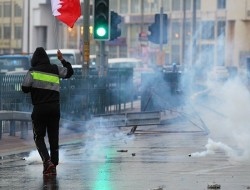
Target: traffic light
101, 20
115, 20
154, 29
153, 37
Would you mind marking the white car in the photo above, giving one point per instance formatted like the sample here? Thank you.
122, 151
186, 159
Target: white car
71, 55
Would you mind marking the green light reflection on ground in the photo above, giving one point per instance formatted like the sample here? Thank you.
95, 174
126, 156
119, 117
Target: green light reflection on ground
104, 176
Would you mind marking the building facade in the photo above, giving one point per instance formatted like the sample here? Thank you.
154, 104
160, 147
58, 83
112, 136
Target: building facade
11, 26
200, 32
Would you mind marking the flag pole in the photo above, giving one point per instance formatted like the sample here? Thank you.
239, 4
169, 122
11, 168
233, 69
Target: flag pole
56, 33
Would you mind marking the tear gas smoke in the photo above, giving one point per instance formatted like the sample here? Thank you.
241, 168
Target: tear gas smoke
225, 110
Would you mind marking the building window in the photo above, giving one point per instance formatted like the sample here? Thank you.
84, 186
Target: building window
7, 9
113, 5
0, 10
221, 28
188, 4
198, 4
123, 7
166, 4
147, 6
207, 30
17, 51
135, 6
18, 32
176, 5
1, 32
176, 30
6, 32
221, 4
18, 11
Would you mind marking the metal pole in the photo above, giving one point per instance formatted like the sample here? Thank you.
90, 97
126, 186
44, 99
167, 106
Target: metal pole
102, 59
86, 48
28, 32
184, 32
142, 15
11, 26
161, 26
194, 33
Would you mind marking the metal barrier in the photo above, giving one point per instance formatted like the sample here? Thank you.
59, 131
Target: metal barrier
129, 119
80, 96
13, 116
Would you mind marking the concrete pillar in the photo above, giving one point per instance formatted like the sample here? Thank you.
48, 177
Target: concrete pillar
12, 128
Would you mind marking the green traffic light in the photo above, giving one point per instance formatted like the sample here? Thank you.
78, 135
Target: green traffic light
101, 31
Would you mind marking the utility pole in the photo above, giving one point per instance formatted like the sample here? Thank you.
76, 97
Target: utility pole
194, 33
102, 59
28, 32
161, 27
184, 32
86, 44
142, 15
161, 54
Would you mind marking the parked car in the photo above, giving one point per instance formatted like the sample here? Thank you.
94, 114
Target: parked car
14, 64
71, 55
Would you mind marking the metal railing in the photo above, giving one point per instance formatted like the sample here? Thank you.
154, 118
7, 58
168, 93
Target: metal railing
79, 95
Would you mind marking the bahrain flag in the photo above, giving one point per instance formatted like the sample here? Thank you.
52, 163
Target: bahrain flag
67, 11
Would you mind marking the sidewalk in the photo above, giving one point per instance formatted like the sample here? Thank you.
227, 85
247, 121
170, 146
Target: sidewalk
14, 144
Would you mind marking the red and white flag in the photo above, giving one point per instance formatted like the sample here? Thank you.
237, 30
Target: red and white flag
67, 11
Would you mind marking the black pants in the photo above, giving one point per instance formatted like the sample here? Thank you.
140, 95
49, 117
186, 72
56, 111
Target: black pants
45, 118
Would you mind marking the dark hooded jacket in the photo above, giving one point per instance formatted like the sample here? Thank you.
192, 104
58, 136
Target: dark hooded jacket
43, 79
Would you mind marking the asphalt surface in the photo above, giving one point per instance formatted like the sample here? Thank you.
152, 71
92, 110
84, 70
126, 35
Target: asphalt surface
170, 156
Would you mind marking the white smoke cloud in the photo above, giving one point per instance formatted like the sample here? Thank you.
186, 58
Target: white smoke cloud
226, 113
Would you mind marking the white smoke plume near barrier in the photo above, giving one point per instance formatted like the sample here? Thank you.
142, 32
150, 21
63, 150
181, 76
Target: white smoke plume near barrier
230, 120
212, 147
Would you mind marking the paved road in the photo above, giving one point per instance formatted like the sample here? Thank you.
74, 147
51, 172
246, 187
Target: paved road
164, 158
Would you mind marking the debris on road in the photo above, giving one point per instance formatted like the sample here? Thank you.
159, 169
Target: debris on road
122, 150
158, 188
214, 186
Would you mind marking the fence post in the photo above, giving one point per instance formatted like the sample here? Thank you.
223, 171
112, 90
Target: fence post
1, 129
12, 128
24, 129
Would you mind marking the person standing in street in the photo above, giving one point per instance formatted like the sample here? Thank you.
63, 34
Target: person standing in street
43, 82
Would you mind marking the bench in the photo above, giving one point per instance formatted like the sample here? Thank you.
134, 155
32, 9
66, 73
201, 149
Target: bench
13, 116
130, 119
